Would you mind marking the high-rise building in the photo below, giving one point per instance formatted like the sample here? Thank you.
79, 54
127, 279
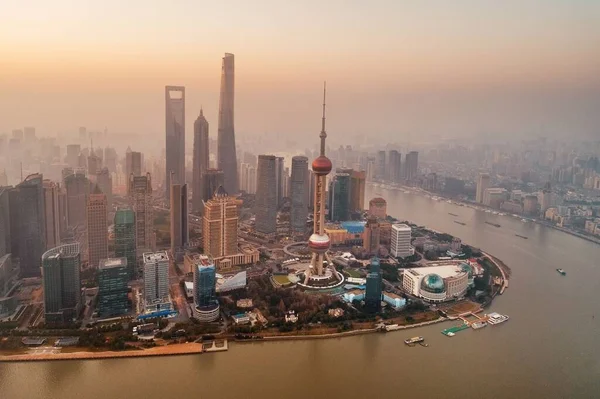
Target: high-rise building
400, 241
72, 158
243, 176
14, 207
97, 228
206, 305
494, 197
179, 220
372, 236
226, 155
104, 183
251, 180
266, 195
156, 277
299, 193
380, 171
32, 226
94, 164
378, 208
357, 190
112, 287
62, 284
51, 214
530, 204
483, 183
125, 239
411, 166
78, 189
133, 163
5, 233
220, 222
279, 180
339, 197
200, 161
141, 203
213, 179
175, 136
374, 289
395, 166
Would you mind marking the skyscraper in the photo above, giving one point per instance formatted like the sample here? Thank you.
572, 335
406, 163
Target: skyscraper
31, 233
400, 240
179, 220
200, 161
104, 183
133, 163
226, 153
411, 165
219, 225
78, 189
298, 193
206, 305
372, 236
380, 170
112, 287
395, 166
125, 239
51, 214
5, 221
213, 179
374, 291
141, 202
62, 285
339, 197
156, 277
266, 195
175, 136
483, 183
357, 190
279, 180
97, 228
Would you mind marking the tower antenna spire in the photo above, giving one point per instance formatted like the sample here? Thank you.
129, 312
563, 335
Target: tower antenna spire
323, 134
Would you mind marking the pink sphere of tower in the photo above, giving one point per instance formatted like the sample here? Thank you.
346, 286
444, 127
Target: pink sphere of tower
322, 165
319, 242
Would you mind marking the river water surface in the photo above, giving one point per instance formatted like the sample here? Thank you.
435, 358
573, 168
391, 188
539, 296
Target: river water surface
550, 347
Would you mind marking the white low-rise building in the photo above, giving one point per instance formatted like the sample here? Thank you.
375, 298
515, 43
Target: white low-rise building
438, 283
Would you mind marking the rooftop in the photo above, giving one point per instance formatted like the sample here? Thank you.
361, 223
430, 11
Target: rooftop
155, 256
444, 271
401, 227
109, 263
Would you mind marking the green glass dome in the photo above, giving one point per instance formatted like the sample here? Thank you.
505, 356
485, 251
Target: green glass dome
465, 267
433, 283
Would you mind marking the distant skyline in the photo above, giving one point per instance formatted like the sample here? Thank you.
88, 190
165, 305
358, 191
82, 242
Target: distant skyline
399, 71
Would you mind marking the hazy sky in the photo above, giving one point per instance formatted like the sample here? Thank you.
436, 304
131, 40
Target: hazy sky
397, 69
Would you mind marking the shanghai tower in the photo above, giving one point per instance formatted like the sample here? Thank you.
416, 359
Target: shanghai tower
226, 136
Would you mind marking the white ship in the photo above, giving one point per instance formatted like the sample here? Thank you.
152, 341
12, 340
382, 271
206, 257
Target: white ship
496, 318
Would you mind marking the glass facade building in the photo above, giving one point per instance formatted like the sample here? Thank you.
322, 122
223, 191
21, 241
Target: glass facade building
339, 197
62, 284
374, 291
125, 239
112, 287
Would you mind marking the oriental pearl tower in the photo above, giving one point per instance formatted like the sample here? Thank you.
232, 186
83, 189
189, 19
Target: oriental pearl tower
318, 242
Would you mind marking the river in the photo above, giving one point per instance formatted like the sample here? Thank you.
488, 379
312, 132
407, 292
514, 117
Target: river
550, 347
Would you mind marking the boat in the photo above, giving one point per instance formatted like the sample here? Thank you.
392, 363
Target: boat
520, 236
478, 324
493, 224
496, 318
450, 334
453, 214
414, 340
461, 223
562, 272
